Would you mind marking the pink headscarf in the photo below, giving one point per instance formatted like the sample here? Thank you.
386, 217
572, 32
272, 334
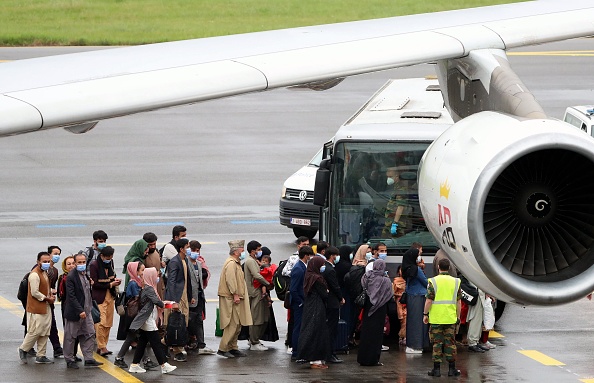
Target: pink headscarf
150, 278
132, 268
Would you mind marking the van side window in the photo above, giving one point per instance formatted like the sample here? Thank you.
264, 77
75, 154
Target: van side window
569, 118
584, 127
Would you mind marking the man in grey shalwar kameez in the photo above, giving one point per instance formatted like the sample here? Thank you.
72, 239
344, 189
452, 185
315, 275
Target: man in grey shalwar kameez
77, 314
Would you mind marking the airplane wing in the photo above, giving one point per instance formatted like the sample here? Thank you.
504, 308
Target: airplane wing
79, 89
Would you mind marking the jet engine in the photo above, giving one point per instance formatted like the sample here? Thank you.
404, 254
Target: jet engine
511, 201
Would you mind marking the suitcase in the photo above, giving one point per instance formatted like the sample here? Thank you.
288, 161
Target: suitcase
341, 343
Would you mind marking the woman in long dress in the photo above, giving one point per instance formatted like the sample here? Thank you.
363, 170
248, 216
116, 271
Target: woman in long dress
379, 292
417, 333
314, 338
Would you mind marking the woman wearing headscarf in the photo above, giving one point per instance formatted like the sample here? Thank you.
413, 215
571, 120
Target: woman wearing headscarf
135, 271
314, 338
417, 333
379, 292
67, 265
362, 255
145, 323
137, 253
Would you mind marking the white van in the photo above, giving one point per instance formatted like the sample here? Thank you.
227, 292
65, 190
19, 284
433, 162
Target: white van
296, 208
581, 117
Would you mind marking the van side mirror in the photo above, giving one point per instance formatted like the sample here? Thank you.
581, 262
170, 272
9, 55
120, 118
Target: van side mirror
322, 183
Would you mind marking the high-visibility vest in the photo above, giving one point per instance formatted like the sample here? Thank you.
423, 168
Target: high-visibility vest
443, 309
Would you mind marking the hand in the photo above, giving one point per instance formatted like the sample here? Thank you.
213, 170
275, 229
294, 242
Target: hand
175, 306
342, 302
236, 299
193, 301
394, 228
425, 319
83, 315
50, 299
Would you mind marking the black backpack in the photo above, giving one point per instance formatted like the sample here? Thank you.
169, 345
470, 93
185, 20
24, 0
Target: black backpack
23, 292
281, 282
352, 280
177, 332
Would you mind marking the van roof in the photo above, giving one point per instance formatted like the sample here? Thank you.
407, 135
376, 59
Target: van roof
405, 109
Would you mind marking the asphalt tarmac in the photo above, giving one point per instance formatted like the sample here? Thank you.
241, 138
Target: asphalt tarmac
218, 168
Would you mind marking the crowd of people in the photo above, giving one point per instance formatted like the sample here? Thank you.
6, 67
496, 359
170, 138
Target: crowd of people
337, 299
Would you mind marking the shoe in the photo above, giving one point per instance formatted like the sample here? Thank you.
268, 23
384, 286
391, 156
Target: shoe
148, 364
483, 347
32, 352
180, 357
436, 373
119, 362
43, 360
385, 348
22, 356
136, 369
77, 359
58, 353
289, 350
92, 363
258, 347
104, 353
226, 354
167, 368
413, 351
319, 366
72, 365
334, 359
237, 353
453, 371
300, 361
488, 344
205, 351
475, 348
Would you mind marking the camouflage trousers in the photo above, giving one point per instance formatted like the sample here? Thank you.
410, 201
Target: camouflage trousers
443, 337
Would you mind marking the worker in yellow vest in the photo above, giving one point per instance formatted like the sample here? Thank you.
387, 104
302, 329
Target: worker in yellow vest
442, 311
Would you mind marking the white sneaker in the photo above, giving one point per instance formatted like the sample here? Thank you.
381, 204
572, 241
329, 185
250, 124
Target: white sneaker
289, 350
385, 348
413, 351
205, 351
258, 347
136, 369
489, 345
166, 368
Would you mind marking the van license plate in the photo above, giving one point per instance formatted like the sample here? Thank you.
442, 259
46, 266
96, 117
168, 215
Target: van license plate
301, 221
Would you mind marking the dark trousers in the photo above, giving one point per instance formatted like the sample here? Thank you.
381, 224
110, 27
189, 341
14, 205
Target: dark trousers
290, 327
53, 337
297, 315
152, 338
332, 316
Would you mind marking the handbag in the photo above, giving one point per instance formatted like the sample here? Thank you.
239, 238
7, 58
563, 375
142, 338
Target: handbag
403, 298
360, 300
120, 303
95, 313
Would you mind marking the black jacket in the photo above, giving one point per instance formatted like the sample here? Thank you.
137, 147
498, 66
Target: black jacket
334, 294
75, 297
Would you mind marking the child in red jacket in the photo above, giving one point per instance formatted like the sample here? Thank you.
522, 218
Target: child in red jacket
267, 270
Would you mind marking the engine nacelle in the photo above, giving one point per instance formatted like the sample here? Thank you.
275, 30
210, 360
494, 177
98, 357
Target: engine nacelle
512, 203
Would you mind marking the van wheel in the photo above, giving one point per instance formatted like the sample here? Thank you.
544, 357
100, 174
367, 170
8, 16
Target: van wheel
302, 232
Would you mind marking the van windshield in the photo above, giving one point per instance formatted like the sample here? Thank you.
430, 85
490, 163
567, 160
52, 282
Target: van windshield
315, 161
374, 184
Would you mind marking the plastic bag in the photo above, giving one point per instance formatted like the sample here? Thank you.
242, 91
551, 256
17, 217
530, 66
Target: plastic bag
488, 315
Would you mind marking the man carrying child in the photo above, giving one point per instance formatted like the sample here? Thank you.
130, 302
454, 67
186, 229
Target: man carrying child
258, 306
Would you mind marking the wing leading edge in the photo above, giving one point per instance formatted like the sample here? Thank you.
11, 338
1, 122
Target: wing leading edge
78, 88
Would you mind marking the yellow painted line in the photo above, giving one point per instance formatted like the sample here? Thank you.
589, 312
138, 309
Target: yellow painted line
541, 358
110, 368
495, 334
587, 380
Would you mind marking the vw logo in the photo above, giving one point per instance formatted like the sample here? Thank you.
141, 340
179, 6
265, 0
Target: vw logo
302, 195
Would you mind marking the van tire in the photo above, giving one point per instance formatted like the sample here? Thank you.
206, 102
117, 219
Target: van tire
303, 232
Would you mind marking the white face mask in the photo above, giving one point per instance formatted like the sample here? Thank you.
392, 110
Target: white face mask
390, 181
419, 259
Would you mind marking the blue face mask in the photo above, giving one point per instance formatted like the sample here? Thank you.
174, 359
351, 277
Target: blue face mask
194, 256
101, 245
322, 269
158, 279
56, 258
368, 256
162, 271
188, 251
382, 255
107, 261
45, 266
259, 254
81, 268
242, 256
337, 259
351, 257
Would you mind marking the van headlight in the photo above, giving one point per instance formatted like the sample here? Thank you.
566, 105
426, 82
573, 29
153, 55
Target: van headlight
284, 192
